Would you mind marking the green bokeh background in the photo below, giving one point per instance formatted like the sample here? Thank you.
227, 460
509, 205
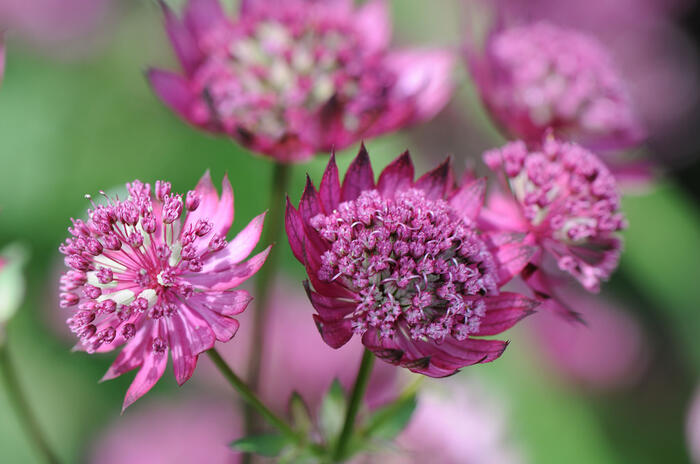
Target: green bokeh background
68, 128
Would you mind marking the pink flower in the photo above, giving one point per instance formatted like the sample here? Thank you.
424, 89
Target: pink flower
536, 77
401, 264
140, 277
197, 430
566, 201
291, 337
290, 79
610, 352
2, 57
460, 424
692, 429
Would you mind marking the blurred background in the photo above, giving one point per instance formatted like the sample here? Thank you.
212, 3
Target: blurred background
77, 116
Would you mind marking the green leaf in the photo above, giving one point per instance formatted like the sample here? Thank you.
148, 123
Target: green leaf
12, 285
300, 414
265, 445
332, 412
387, 422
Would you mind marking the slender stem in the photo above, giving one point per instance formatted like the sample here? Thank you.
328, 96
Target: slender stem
17, 398
358, 393
251, 398
264, 281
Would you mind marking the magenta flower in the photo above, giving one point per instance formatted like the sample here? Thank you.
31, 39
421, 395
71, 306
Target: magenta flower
401, 264
610, 353
140, 277
172, 432
290, 79
537, 77
566, 201
2, 57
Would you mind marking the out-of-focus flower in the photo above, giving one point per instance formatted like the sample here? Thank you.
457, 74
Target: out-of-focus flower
56, 24
610, 352
537, 77
2, 57
292, 336
461, 425
401, 264
566, 201
12, 259
182, 432
142, 278
291, 79
693, 428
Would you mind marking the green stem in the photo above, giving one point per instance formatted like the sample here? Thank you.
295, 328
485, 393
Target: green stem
358, 393
264, 279
18, 400
251, 398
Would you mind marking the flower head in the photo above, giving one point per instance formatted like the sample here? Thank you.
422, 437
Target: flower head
2, 57
141, 276
401, 264
567, 199
290, 79
538, 76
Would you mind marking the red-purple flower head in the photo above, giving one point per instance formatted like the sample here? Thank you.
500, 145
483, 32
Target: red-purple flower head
539, 76
155, 273
401, 264
566, 199
290, 79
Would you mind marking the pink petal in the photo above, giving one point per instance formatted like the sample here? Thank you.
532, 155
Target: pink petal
184, 43
309, 205
211, 208
329, 309
329, 190
240, 247
228, 276
359, 176
151, 370
334, 333
396, 176
512, 259
467, 201
131, 356
2, 57
295, 231
228, 303
540, 283
189, 335
424, 77
204, 17
435, 183
224, 327
373, 22
504, 311
173, 90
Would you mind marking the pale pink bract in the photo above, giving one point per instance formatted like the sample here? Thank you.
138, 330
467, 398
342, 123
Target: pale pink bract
400, 263
564, 200
291, 79
141, 277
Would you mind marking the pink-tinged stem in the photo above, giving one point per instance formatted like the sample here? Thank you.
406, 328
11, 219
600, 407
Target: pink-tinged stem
265, 281
358, 393
21, 405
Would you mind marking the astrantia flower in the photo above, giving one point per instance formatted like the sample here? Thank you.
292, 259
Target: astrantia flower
566, 201
290, 79
401, 264
2, 57
539, 76
142, 277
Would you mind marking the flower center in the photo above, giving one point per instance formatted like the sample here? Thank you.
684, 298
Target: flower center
288, 67
416, 266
